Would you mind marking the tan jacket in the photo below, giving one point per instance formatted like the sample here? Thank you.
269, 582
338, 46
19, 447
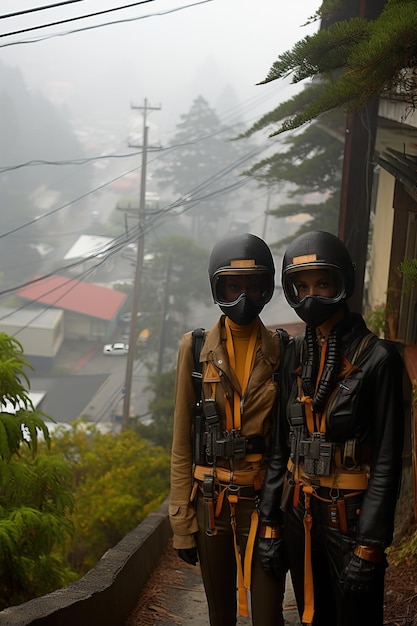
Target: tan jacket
258, 403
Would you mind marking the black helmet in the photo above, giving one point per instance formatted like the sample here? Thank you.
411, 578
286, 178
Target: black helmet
318, 250
242, 254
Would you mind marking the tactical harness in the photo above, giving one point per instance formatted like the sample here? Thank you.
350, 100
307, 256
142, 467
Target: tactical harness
315, 462
211, 442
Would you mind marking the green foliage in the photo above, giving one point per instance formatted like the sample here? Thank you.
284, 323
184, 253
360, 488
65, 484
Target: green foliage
406, 550
355, 59
35, 499
159, 431
312, 163
21, 425
118, 480
376, 319
408, 267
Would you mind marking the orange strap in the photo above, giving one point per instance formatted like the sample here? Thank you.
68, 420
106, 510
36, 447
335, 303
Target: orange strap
250, 355
308, 613
312, 426
242, 598
254, 520
243, 573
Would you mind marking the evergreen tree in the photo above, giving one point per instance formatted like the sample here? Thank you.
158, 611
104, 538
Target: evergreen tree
355, 60
35, 499
312, 165
201, 165
169, 290
161, 408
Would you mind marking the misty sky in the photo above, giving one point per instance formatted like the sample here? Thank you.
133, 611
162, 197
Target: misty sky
217, 48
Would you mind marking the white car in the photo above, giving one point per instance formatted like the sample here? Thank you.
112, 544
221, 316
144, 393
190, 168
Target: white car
115, 349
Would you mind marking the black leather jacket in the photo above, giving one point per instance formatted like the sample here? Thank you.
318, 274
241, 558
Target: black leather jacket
368, 406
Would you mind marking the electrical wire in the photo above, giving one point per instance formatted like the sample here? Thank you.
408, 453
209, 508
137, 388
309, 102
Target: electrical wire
36, 9
78, 30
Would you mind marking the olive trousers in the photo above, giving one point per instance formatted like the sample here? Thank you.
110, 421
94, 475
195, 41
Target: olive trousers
219, 570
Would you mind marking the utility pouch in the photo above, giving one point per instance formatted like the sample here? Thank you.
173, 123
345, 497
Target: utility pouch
317, 454
212, 429
337, 516
343, 525
333, 511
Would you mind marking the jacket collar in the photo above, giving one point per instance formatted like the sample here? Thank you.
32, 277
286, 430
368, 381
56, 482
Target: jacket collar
216, 337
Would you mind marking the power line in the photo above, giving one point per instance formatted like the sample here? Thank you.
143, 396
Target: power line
73, 19
78, 30
81, 161
35, 9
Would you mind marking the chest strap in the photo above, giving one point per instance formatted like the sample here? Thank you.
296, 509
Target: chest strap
350, 480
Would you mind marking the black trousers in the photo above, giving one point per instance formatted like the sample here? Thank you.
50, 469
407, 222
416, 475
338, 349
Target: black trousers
219, 571
331, 551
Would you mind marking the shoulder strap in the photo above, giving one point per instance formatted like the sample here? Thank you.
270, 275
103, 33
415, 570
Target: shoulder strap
198, 336
283, 335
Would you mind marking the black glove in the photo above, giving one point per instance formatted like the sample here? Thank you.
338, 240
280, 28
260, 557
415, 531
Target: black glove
273, 556
359, 574
189, 555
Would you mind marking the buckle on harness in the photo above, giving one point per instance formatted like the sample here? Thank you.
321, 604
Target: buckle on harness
231, 447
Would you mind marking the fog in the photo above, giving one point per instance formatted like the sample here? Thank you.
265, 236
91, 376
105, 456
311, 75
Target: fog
95, 72
169, 53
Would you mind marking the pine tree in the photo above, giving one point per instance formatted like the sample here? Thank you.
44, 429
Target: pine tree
201, 166
352, 61
311, 164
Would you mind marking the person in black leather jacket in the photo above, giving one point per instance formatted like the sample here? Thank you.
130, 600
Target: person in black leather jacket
332, 483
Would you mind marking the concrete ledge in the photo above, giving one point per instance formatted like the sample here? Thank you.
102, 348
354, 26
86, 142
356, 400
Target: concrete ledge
107, 594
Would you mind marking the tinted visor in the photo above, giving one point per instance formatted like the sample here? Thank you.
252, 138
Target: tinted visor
295, 298
228, 287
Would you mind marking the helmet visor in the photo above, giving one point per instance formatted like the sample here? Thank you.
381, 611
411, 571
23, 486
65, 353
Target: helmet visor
228, 287
329, 287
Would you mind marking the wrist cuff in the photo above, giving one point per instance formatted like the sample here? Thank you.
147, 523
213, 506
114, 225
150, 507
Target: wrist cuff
270, 532
369, 553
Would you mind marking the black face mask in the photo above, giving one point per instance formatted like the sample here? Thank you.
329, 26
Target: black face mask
243, 311
314, 311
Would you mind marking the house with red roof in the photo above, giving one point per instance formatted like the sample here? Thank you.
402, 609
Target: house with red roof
90, 311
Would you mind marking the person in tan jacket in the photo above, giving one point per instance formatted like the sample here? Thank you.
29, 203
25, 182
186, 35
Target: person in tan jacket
219, 451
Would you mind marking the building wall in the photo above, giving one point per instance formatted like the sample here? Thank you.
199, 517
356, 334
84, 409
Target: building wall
83, 327
41, 341
380, 252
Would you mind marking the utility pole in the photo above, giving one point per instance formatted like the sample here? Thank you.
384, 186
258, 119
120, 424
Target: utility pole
138, 271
